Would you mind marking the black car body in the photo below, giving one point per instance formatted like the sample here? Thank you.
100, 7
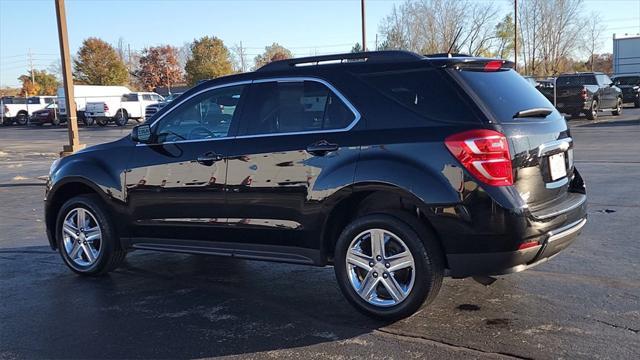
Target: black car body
630, 86
461, 149
587, 93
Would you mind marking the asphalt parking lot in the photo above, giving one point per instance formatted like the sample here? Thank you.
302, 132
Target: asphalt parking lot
585, 303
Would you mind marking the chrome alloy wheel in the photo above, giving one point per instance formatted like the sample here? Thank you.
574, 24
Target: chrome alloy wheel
380, 267
81, 236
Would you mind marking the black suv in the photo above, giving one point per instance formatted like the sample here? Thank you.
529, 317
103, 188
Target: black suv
630, 86
395, 168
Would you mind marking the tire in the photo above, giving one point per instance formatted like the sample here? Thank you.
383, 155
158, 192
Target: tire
102, 122
121, 118
55, 121
22, 119
618, 110
105, 249
426, 274
88, 121
592, 114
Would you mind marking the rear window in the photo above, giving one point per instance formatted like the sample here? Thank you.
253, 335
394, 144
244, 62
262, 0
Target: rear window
427, 92
576, 80
627, 80
504, 92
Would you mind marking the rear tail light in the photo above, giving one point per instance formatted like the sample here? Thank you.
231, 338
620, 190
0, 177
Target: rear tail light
106, 107
485, 154
583, 94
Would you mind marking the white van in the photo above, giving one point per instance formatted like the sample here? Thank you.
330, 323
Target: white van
90, 93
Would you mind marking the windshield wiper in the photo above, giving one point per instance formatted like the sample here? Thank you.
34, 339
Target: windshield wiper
535, 112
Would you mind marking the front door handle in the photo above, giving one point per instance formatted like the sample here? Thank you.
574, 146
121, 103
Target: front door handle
208, 158
321, 148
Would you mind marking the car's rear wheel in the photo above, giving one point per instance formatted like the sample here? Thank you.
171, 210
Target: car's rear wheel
592, 114
86, 238
88, 121
388, 265
22, 119
121, 118
618, 109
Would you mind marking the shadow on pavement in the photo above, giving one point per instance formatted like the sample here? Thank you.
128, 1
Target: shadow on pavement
167, 306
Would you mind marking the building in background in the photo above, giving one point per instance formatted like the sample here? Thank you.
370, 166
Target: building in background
626, 54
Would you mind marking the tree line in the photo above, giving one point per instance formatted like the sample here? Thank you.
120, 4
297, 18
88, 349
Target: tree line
554, 36
99, 63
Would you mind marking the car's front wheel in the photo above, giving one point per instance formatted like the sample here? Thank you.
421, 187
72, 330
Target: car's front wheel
592, 114
618, 108
388, 265
86, 238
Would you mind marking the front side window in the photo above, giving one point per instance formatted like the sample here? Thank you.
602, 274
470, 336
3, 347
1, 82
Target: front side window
146, 97
299, 106
205, 116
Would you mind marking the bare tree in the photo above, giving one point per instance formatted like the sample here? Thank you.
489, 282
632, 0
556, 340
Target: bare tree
593, 33
430, 26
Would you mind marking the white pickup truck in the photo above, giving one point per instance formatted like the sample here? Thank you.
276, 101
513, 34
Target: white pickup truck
18, 109
121, 109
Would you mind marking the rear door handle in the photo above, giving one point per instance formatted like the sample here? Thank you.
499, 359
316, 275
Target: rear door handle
321, 148
208, 158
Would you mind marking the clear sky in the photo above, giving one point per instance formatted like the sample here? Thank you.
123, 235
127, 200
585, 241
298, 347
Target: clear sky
304, 26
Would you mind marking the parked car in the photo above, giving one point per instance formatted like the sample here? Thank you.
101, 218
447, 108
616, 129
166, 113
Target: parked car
120, 110
546, 88
588, 93
153, 108
17, 110
630, 86
86, 93
48, 115
395, 168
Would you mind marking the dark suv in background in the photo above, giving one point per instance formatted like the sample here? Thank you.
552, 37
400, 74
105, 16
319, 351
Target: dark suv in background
630, 86
587, 93
395, 168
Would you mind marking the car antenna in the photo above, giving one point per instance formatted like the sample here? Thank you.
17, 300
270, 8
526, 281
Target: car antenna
454, 42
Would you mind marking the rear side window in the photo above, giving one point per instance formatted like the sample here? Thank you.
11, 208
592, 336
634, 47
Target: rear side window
576, 80
428, 92
146, 97
33, 100
286, 107
627, 80
130, 97
504, 92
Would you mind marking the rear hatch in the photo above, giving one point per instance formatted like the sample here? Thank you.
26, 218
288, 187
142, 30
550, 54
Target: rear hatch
540, 147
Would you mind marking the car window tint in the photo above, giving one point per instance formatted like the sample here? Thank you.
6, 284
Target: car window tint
146, 97
576, 80
424, 91
205, 116
129, 97
33, 100
286, 107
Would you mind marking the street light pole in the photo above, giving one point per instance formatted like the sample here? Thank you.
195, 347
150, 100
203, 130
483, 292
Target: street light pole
72, 121
364, 31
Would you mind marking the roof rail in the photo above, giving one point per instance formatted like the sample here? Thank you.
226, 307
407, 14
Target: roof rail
368, 56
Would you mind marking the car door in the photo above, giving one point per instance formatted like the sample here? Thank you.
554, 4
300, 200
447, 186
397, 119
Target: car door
175, 186
292, 152
608, 98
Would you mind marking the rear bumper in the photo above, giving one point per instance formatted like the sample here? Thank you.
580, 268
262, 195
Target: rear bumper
499, 263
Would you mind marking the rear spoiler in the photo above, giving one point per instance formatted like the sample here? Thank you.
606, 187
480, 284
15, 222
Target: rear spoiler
472, 63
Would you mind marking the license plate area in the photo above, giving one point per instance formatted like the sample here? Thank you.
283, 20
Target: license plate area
557, 166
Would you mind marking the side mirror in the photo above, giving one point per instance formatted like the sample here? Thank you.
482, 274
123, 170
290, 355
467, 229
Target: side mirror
141, 133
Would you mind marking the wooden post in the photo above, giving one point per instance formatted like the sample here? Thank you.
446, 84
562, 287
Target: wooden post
72, 121
364, 31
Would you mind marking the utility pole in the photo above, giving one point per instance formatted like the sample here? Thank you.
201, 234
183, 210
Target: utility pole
241, 54
515, 34
72, 121
30, 55
364, 35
